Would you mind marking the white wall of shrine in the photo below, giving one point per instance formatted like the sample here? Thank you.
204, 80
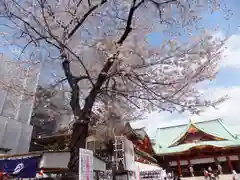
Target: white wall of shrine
222, 177
204, 160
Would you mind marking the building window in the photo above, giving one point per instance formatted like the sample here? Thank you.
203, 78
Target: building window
91, 145
98, 145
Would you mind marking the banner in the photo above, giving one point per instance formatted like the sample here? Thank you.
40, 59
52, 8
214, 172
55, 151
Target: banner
20, 168
85, 164
129, 155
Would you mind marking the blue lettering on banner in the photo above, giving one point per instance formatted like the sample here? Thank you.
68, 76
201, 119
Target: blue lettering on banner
21, 168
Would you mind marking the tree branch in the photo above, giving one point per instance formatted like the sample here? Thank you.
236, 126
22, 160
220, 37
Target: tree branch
74, 102
59, 44
89, 101
82, 20
64, 79
128, 28
102, 77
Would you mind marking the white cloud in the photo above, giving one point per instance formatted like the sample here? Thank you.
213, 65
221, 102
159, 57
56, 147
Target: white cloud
163, 119
228, 111
232, 52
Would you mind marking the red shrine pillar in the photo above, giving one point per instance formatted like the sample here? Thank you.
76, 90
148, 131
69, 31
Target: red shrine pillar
229, 163
179, 168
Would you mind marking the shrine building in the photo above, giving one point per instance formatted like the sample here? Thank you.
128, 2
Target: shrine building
143, 148
190, 148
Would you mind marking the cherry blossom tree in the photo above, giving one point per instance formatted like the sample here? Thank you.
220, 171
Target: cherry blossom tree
106, 59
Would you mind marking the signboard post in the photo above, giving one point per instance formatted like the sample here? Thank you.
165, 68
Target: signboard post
125, 159
129, 155
85, 164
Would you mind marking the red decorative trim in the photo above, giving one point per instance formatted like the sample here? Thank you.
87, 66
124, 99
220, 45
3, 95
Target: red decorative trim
187, 153
179, 168
175, 158
229, 163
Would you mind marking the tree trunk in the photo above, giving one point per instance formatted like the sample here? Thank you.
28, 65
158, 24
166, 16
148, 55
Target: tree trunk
78, 140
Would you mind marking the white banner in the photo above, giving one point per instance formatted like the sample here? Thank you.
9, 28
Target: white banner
129, 155
85, 164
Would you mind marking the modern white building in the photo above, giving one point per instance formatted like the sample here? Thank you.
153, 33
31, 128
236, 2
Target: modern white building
18, 82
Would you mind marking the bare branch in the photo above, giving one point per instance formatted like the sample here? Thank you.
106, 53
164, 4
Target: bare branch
84, 18
128, 28
74, 103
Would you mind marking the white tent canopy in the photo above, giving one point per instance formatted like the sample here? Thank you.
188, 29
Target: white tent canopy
149, 172
147, 167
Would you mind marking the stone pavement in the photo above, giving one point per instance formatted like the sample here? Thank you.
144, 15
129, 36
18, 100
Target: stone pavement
222, 177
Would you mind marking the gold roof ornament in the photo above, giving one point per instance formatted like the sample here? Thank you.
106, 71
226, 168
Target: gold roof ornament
192, 121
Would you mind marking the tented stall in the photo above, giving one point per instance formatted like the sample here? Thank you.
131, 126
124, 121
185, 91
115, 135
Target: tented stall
149, 171
40, 164
148, 167
19, 167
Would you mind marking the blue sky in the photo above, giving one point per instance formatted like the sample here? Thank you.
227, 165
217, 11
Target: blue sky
226, 82
227, 26
213, 20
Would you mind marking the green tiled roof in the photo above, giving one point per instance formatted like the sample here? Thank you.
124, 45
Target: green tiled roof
186, 147
167, 136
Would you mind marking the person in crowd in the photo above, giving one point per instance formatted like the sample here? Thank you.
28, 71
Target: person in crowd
176, 177
210, 169
220, 169
191, 171
205, 172
164, 174
234, 175
169, 175
217, 174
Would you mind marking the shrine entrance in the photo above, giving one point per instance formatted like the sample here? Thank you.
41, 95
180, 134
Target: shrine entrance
236, 166
199, 168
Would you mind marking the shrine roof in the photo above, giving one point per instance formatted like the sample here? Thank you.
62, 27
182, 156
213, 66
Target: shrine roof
138, 132
202, 144
166, 137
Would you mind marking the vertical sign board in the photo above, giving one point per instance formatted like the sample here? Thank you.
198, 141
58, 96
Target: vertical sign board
130, 159
129, 155
85, 164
